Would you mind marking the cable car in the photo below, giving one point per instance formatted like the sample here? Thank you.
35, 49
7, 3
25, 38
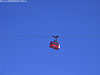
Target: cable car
54, 44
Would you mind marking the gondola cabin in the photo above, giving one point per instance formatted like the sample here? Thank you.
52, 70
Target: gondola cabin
54, 45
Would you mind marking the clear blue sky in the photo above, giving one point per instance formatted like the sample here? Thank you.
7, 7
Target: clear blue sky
77, 56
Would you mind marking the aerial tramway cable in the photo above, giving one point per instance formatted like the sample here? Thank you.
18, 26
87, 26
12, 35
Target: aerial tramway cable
46, 37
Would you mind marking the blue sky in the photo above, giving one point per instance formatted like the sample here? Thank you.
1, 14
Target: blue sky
22, 55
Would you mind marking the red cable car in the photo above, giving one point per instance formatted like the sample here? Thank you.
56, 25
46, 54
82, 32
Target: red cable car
54, 44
